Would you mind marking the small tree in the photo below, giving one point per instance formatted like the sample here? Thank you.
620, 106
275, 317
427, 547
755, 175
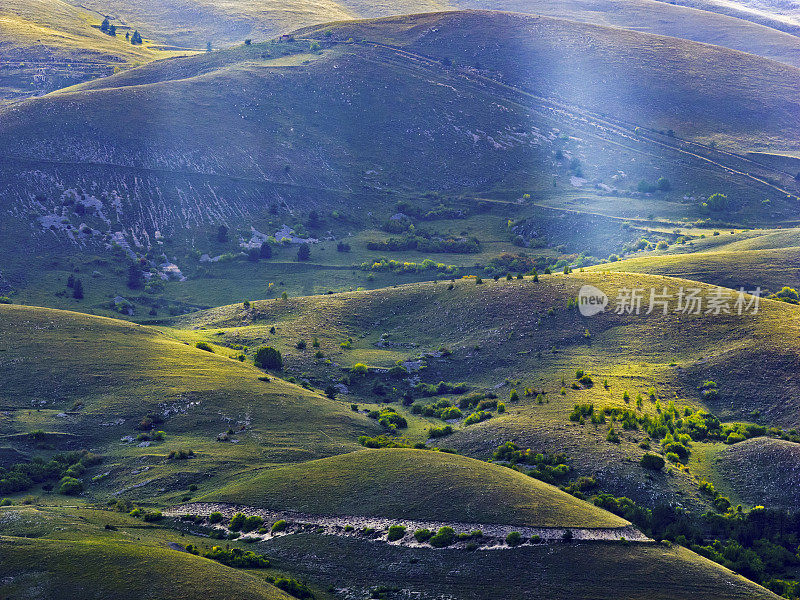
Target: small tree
717, 202
303, 252
77, 290
136, 39
265, 251
222, 234
135, 277
105, 25
268, 357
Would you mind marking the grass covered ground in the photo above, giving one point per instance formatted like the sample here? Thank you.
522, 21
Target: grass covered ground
414, 484
87, 382
561, 571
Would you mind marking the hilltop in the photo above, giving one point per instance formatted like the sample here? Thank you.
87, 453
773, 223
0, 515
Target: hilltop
51, 44
192, 22
402, 484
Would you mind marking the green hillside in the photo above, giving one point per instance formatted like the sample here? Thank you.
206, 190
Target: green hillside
119, 570
51, 44
84, 200
412, 484
54, 384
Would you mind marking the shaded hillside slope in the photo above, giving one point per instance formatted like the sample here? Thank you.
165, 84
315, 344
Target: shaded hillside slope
763, 472
186, 156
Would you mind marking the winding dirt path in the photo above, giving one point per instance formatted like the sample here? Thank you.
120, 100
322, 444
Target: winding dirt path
492, 536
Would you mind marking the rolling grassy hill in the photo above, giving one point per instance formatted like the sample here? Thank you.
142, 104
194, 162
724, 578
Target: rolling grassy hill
186, 158
762, 471
55, 384
108, 569
519, 334
770, 269
401, 483
50, 44
192, 22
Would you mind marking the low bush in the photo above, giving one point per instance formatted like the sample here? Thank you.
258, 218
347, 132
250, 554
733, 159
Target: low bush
514, 539
444, 537
652, 461
204, 346
396, 532
423, 535
279, 525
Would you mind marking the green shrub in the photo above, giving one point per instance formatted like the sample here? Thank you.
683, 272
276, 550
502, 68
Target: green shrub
6, 502
204, 346
301, 344
359, 369
652, 461
514, 539
154, 515
437, 432
5, 300
288, 585
477, 417
536, 539
673, 458
237, 521
444, 537
268, 357
396, 532
423, 535
215, 517
252, 523
451, 412
69, 486
279, 525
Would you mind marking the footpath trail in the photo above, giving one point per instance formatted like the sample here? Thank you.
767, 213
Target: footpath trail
492, 536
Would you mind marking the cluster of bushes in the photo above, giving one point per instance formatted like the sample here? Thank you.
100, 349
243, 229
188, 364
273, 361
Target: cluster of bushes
385, 441
394, 266
477, 417
439, 432
475, 399
243, 523
437, 389
427, 244
441, 409
235, 557
509, 262
389, 418
550, 468
676, 428
64, 468
181, 454
292, 587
